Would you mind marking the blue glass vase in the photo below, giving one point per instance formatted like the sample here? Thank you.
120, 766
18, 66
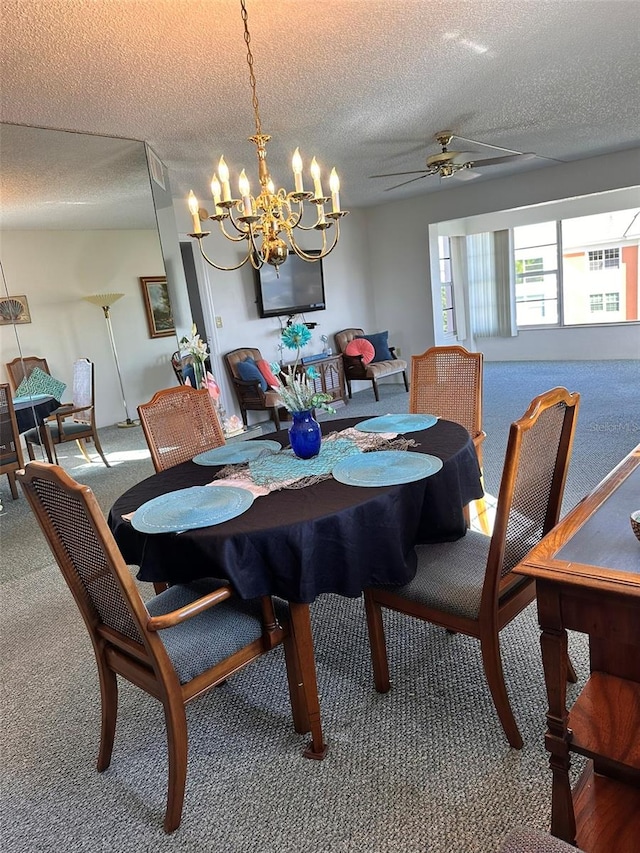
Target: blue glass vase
305, 436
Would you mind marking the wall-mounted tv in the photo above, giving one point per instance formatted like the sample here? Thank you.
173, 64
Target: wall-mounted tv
298, 287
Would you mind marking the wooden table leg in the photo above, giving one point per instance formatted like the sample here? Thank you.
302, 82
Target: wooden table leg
301, 629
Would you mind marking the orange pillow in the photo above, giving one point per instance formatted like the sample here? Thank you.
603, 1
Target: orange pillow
361, 346
265, 369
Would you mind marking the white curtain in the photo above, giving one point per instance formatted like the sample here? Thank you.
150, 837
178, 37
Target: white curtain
490, 283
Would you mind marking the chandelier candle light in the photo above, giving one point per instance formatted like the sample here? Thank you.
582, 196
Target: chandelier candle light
267, 222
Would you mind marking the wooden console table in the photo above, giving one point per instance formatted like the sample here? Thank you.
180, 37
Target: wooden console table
587, 572
330, 377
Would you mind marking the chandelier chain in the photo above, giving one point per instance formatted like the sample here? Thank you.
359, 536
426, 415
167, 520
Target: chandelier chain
252, 76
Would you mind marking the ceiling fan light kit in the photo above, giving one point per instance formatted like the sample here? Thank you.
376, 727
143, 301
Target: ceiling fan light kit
444, 162
267, 222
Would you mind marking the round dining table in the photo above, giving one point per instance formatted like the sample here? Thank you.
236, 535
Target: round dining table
298, 543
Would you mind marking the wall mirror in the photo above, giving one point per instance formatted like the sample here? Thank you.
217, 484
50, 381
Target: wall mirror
80, 217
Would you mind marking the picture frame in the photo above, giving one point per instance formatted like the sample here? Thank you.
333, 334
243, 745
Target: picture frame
14, 310
157, 305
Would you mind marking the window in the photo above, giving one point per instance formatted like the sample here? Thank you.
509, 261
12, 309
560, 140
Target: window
612, 301
536, 263
446, 286
595, 302
612, 258
604, 259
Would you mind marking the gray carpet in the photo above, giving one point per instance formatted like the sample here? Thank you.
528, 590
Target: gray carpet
425, 768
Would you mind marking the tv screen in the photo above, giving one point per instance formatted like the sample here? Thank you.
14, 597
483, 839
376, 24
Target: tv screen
298, 287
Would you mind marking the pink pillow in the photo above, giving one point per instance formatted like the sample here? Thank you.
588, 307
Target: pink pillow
361, 346
263, 366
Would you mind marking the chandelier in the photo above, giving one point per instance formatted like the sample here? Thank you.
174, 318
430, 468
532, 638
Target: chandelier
267, 221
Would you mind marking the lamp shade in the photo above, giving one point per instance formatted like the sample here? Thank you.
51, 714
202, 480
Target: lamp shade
104, 299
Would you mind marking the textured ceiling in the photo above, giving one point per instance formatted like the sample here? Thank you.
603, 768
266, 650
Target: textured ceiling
362, 84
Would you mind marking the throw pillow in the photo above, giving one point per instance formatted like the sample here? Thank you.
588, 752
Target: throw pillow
380, 343
265, 369
249, 372
363, 347
40, 382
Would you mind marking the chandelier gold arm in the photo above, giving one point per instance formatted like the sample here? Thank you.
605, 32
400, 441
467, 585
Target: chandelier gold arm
212, 262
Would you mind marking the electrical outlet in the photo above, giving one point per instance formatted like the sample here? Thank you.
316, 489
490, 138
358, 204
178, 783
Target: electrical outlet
218, 322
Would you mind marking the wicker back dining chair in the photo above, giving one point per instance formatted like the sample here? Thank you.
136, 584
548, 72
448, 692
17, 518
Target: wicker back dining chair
468, 586
175, 646
22, 368
75, 421
179, 423
447, 382
11, 459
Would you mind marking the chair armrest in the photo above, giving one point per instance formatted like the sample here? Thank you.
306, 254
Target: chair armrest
392, 350
63, 413
354, 365
175, 617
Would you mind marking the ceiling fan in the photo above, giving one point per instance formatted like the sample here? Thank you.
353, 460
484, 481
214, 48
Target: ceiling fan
444, 163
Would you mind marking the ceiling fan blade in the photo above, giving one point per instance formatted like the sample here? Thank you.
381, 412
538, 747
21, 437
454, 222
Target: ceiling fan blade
465, 175
497, 161
486, 144
404, 183
396, 174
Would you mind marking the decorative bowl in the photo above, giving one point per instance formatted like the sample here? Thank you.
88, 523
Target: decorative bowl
635, 523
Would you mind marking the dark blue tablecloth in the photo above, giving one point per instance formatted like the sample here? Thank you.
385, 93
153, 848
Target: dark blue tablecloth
299, 543
32, 414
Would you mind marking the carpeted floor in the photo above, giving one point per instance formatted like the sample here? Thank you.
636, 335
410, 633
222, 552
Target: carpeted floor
425, 768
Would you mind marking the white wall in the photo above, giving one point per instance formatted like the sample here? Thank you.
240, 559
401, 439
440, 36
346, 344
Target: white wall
400, 265
55, 269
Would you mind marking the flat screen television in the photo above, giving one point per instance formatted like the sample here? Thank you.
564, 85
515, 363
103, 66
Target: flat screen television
298, 287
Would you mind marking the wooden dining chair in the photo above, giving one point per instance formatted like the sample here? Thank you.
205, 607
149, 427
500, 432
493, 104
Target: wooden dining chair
447, 382
22, 368
11, 459
75, 421
175, 646
468, 586
179, 423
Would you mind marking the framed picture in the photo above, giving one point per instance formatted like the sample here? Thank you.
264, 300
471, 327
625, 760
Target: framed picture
157, 306
14, 309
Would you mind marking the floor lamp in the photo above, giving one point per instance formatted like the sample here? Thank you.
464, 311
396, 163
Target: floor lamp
105, 301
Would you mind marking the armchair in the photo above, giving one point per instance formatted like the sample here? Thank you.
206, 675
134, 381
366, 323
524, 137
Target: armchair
74, 422
356, 367
175, 646
250, 394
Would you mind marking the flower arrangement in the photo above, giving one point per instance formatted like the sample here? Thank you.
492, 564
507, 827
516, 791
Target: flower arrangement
297, 390
199, 351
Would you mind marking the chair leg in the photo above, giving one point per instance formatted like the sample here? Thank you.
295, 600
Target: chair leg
571, 673
82, 447
296, 687
96, 441
349, 388
11, 476
276, 417
30, 451
490, 645
177, 743
406, 381
109, 696
375, 390
377, 643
